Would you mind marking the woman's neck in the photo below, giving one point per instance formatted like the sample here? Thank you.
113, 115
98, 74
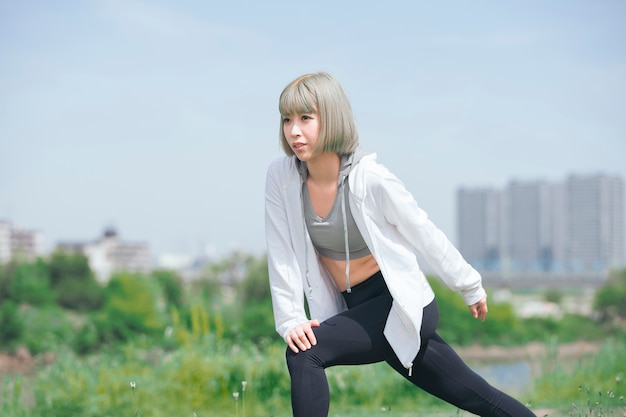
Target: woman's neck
324, 168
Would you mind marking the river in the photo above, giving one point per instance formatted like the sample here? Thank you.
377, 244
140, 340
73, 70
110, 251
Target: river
514, 369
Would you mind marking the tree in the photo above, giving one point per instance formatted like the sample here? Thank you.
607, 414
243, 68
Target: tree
171, 285
6, 271
74, 283
255, 284
553, 295
11, 323
610, 299
30, 283
68, 266
130, 309
79, 295
253, 293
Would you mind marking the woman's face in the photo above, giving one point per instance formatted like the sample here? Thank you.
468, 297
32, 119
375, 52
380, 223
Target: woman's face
302, 132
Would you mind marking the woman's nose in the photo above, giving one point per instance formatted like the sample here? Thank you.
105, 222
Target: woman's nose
295, 130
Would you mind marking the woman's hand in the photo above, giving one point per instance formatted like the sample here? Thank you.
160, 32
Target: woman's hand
301, 337
479, 310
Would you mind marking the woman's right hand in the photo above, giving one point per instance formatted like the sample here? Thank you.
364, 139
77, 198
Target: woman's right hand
302, 337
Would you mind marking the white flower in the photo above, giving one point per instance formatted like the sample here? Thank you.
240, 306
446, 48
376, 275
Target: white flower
236, 395
243, 385
132, 384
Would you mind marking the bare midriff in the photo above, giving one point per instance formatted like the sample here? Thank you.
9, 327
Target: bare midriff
360, 270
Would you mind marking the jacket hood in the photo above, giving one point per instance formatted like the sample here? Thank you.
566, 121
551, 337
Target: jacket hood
348, 162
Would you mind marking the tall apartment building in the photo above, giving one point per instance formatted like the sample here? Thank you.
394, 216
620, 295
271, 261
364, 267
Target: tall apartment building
19, 242
536, 226
533, 226
480, 227
596, 222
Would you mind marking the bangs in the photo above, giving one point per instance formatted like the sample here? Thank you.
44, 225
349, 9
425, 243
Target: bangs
297, 100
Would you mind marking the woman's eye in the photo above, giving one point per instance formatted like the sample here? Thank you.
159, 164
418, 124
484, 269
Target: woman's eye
286, 119
306, 117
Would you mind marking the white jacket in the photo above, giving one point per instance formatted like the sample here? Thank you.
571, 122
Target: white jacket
395, 229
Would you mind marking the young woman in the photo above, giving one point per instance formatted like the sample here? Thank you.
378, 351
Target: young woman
344, 232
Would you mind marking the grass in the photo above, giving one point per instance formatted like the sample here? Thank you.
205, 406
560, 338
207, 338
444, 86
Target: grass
210, 380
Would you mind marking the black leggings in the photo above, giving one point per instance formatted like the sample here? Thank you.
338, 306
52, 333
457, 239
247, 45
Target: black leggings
356, 337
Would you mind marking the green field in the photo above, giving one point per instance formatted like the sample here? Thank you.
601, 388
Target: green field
155, 346
200, 380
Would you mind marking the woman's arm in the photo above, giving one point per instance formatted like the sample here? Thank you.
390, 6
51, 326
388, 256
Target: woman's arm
400, 209
284, 272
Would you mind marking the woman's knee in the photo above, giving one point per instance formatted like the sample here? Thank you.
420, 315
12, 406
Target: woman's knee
298, 362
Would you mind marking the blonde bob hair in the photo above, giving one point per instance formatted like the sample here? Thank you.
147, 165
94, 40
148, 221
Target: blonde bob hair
320, 94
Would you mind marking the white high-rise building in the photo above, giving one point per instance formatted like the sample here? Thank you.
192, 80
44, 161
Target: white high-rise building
533, 220
109, 254
479, 221
573, 226
596, 222
18, 242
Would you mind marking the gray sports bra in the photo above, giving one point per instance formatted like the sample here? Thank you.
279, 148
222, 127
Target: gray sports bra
328, 234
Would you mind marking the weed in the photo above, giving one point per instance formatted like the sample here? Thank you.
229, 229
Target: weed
600, 403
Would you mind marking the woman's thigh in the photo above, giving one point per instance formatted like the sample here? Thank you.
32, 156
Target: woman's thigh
354, 336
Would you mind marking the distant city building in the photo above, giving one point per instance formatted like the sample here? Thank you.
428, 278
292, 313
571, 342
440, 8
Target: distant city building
19, 243
573, 227
5, 242
596, 222
109, 254
480, 227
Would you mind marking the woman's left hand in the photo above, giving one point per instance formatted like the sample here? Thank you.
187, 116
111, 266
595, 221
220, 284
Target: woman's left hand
479, 310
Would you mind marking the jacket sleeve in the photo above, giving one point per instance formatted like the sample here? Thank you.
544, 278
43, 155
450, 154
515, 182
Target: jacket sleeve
284, 272
399, 208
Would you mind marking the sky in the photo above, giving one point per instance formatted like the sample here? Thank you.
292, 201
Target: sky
159, 118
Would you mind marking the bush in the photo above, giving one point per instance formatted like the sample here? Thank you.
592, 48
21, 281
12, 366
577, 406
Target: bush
172, 287
11, 324
6, 271
68, 266
458, 327
74, 283
30, 284
46, 329
130, 309
610, 300
87, 338
80, 295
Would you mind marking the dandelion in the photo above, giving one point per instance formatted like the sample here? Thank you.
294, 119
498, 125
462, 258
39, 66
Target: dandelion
236, 397
243, 398
132, 387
